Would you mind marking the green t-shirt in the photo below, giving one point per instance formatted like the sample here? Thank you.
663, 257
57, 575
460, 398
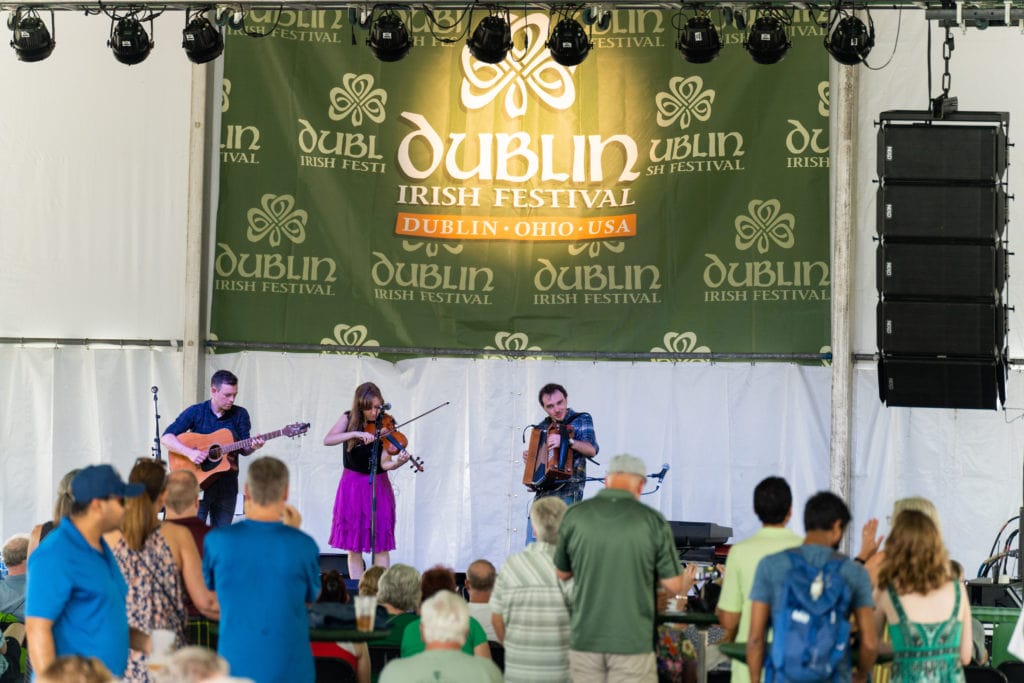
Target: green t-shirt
397, 624
617, 549
740, 567
412, 639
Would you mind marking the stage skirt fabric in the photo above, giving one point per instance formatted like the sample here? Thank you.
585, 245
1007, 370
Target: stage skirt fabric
350, 529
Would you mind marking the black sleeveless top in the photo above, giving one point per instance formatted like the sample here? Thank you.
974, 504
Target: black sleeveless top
357, 458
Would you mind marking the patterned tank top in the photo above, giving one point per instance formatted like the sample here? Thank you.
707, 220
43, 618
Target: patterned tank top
154, 595
926, 653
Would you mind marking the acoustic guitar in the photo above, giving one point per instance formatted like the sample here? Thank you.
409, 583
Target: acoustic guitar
219, 444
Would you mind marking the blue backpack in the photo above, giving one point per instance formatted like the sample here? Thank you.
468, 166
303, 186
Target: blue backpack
811, 623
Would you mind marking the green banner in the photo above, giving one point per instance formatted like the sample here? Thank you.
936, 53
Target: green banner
633, 203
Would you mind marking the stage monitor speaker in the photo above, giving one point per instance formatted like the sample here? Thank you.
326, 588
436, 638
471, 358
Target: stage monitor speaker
941, 212
942, 383
936, 152
944, 271
940, 328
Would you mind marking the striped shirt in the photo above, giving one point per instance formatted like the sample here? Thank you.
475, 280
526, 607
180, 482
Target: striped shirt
529, 599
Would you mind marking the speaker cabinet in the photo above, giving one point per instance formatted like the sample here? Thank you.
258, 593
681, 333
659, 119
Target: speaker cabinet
940, 329
942, 383
941, 271
940, 265
949, 153
941, 212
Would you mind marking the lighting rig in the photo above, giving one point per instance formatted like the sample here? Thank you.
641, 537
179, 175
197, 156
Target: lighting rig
849, 36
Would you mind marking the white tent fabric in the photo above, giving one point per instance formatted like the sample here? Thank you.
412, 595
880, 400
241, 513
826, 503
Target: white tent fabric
721, 428
92, 233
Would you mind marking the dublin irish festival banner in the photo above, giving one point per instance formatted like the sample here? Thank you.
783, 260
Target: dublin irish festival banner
635, 203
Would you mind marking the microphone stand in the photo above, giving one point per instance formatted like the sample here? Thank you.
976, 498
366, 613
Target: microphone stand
374, 459
156, 414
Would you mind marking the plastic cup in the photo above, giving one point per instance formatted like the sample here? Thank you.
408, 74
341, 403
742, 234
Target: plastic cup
366, 610
161, 646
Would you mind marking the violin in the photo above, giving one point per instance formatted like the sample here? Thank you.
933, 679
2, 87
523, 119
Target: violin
392, 440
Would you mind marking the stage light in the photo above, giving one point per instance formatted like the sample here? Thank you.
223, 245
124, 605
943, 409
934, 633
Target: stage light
389, 38
568, 43
767, 41
491, 40
849, 41
31, 39
201, 40
129, 41
698, 41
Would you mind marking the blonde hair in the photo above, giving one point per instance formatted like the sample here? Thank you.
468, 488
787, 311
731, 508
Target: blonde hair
918, 504
62, 502
370, 580
916, 560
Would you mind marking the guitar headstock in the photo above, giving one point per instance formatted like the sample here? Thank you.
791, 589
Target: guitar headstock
297, 429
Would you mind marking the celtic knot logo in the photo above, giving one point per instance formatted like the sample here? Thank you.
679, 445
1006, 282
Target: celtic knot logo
679, 342
685, 100
277, 216
765, 224
510, 341
823, 98
431, 249
524, 72
225, 92
356, 98
351, 335
594, 248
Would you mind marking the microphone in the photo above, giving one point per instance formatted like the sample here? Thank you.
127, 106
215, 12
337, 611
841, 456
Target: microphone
386, 407
153, 389
660, 476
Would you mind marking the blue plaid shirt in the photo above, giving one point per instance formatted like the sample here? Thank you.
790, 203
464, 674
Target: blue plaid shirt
583, 430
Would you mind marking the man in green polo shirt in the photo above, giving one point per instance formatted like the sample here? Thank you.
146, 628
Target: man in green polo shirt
773, 504
616, 548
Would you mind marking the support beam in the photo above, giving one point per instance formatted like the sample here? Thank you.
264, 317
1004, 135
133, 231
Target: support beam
842, 135
193, 382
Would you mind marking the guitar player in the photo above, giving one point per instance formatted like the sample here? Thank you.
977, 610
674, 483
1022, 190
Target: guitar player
220, 412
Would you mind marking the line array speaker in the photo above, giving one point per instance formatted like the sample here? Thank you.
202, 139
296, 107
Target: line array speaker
941, 259
941, 212
950, 154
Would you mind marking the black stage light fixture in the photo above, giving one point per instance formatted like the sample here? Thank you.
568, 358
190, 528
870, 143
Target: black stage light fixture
699, 41
569, 44
129, 41
31, 39
767, 41
389, 38
849, 41
492, 39
202, 41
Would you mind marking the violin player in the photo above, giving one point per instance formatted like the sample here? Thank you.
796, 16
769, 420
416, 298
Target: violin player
350, 529
582, 442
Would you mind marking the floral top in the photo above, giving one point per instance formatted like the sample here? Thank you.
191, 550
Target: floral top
154, 595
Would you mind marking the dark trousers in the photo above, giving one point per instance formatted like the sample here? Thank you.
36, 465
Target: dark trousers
219, 500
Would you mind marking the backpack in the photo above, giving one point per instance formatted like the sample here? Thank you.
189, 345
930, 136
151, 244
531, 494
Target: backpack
810, 623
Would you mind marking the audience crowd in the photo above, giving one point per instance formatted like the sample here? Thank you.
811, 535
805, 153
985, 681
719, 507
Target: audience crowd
91, 593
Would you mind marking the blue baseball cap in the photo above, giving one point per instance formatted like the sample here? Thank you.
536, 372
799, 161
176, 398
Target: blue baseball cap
101, 481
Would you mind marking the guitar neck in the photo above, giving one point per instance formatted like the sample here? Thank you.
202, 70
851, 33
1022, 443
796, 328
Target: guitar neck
247, 443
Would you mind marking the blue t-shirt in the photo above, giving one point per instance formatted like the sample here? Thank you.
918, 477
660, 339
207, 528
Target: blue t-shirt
264, 573
771, 576
82, 591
